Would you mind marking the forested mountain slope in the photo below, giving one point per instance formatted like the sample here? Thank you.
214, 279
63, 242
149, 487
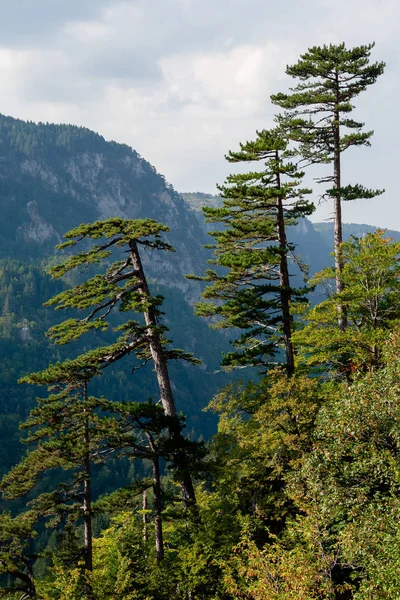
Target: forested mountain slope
52, 178
351, 229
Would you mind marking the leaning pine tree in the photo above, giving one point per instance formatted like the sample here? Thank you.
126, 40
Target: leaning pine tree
123, 285
317, 118
251, 289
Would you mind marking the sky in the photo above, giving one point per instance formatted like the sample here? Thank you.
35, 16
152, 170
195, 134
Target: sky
185, 81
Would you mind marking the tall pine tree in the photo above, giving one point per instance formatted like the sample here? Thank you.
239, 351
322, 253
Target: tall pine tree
255, 293
317, 117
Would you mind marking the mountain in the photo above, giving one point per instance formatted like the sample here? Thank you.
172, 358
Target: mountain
351, 229
196, 201
54, 177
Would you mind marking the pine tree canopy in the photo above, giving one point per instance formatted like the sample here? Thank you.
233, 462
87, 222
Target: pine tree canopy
319, 106
119, 286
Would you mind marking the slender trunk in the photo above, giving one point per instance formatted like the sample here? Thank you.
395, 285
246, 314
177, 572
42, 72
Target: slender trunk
87, 518
157, 354
164, 383
284, 280
158, 503
87, 497
158, 528
375, 348
145, 517
337, 210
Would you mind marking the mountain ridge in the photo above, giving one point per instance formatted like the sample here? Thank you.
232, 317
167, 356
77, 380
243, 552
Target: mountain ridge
54, 177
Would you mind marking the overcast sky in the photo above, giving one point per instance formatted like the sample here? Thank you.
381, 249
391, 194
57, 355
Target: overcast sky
184, 81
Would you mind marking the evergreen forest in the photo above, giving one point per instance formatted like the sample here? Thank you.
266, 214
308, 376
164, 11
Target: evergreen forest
182, 423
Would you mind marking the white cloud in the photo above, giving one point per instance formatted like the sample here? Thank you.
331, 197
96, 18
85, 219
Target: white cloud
184, 81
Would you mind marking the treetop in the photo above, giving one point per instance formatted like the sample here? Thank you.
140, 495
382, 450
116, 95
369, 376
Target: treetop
118, 231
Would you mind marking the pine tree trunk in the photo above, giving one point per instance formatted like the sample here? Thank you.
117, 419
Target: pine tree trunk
287, 321
87, 518
145, 507
158, 530
87, 497
337, 210
158, 503
164, 383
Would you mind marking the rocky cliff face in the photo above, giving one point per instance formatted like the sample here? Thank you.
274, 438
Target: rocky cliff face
54, 177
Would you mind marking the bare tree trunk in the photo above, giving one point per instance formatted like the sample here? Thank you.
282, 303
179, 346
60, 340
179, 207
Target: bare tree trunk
337, 212
164, 383
158, 503
158, 529
287, 321
87, 497
145, 506
87, 519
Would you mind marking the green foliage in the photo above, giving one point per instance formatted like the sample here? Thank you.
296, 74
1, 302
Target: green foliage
288, 569
342, 538
263, 433
350, 481
117, 286
68, 436
16, 557
64, 584
317, 121
125, 565
371, 277
56, 426
25, 349
65, 427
